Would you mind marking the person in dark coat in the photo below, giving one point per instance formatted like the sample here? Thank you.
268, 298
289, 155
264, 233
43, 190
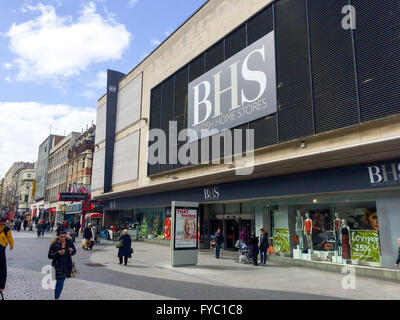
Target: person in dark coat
219, 239
253, 246
41, 228
398, 254
60, 228
25, 224
263, 246
124, 252
77, 228
61, 250
87, 234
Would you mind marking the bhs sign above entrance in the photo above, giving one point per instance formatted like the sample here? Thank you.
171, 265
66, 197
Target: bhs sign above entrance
239, 90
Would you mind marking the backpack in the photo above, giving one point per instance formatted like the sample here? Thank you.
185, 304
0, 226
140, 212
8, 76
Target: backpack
5, 231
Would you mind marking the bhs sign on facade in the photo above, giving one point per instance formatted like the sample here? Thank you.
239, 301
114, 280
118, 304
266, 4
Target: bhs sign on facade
385, 174
239, 90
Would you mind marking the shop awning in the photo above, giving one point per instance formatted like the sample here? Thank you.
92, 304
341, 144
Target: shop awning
93, 215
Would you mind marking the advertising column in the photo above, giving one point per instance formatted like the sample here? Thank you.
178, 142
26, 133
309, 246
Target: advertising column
184, 244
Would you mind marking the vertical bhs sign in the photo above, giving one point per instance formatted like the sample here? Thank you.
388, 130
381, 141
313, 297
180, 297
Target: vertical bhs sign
239, 90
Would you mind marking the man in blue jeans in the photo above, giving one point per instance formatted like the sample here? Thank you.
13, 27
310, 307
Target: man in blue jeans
219, 239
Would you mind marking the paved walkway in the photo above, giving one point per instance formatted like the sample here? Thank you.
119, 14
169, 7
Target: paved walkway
150, 276
153, 260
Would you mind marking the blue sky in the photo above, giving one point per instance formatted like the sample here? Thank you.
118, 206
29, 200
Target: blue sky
53, 59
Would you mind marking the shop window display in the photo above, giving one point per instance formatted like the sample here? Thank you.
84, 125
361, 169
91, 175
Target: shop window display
340, 233
152, 223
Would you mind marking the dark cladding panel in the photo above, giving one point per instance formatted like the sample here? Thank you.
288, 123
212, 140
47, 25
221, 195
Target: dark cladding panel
215, 55
155, 107
334, 83
260, 25
181, 93
155, 121
113, 79
167, 108
168, 93
196, 68
377, 45
295, 115
264, 131
235, 41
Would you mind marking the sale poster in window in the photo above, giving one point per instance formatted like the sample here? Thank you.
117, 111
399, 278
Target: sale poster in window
364, 245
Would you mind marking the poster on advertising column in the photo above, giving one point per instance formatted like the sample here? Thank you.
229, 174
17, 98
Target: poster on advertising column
185, 228
364, 245
281, 241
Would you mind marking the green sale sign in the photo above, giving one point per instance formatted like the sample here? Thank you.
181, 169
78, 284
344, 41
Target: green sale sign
281, 241
364, 245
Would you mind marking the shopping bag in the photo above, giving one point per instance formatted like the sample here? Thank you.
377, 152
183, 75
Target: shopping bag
120, 244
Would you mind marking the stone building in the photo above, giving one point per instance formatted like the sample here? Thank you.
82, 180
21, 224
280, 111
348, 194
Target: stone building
57, 176
321, 98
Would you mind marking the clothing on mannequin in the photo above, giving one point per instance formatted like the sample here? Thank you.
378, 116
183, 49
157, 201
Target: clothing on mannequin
345, 240
337, 224
308, 231
299, 229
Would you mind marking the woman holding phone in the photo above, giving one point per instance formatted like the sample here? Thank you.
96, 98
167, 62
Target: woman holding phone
61, 250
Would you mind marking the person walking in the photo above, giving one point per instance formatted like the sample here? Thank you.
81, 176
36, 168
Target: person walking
219, 240
66, 225
5, 239
25, 224
52, 225
253, 246
77, 228
124, 251
41, 228
264, 245
398, 254
61, 250
92, 238
87, 234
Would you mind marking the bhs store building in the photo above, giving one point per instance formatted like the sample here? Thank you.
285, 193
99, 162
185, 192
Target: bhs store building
317, 81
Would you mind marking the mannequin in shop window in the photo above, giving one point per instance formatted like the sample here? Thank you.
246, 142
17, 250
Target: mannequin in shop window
299, 228
308, 231
337, 223
345, 241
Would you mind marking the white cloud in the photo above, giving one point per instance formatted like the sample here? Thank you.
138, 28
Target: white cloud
8, 79
155, 42
51, 46
8, 65
100, 82
25, 125
90, 95
132, 3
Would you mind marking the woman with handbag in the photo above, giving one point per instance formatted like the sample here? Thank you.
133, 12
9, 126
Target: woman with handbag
61, 250
124, 247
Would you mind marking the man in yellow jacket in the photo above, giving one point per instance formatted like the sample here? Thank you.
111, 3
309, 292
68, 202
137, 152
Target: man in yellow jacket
5, 239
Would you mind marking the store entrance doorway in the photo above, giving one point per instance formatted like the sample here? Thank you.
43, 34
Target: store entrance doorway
231, 233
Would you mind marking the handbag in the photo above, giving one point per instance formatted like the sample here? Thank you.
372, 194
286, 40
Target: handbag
120, 244
74, 270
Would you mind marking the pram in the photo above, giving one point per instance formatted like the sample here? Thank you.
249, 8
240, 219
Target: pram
244, 255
